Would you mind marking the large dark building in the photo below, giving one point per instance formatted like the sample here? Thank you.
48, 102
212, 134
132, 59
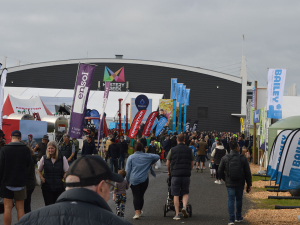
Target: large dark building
214, 96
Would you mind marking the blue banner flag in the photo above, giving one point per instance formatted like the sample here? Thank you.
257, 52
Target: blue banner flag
160, 125
187, 97
256, 116
179, 92
154, 124
174, 88
182, 99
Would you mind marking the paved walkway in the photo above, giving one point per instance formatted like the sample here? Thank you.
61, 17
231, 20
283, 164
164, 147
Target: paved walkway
208, 200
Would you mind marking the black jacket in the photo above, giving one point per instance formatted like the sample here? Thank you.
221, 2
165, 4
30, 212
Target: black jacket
14, 158
167, 145
181, 158
41, 150
151, 149
75, 206
123, 147
223, 171
30, 185
89, 148
114, 151
144, 142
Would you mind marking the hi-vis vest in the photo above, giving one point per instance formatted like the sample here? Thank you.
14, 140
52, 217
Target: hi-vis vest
157, 144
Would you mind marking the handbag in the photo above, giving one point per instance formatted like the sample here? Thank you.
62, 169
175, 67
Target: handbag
38, 181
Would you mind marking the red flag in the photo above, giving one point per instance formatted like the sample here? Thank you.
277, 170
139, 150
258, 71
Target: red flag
149, 123
136, 123
105, 128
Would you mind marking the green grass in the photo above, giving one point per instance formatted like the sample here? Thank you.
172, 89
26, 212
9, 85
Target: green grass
270, 203
257, 178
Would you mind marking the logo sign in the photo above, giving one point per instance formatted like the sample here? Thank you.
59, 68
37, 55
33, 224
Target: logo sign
276, 81
118, 77
256, 117
141, 102
174, 88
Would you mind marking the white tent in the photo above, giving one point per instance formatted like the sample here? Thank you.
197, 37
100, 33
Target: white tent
52, 97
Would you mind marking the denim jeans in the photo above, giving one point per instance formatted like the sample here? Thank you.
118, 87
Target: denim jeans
235, 194
122, 161
113, 163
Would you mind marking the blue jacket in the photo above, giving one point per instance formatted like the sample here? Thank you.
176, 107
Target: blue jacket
138, 166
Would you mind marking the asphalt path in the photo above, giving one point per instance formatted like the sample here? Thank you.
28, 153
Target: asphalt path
208, 200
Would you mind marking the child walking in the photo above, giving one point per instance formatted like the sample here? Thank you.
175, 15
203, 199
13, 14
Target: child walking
119, 195
212, 169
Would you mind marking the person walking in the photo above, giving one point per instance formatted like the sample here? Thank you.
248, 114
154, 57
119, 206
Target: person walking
30, 185
119, 195
123, 152
144, 141
113, 153
88, 183
41, 147
89, 147
76, 144
137, 168
151, 148
217, 155
180, 162
201, 151
55, 166
14, 158
166, 145
234, 170
67, 148
31, 142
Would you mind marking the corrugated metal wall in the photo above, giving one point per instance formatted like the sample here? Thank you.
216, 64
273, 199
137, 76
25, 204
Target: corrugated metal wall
221, 102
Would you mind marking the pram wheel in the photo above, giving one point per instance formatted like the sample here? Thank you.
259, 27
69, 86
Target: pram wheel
189, 210
165, 210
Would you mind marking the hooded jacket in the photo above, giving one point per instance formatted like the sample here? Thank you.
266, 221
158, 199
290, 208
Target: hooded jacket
75, 206
218, 153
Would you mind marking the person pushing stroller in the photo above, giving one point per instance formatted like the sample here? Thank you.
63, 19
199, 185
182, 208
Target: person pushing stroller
180, 162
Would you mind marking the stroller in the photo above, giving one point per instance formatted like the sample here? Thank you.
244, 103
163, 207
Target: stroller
169, 206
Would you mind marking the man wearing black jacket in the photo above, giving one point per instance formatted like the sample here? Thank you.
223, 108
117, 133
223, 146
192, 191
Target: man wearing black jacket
113, 153
234, 170
88, 182
89, 147
14, 158
124, 150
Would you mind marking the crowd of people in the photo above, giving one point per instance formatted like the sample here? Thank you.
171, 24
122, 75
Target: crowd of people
61, 173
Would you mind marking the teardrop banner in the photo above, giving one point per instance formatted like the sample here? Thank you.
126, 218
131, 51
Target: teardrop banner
142, 102
160, 125
290, 176
149, 123
136, 123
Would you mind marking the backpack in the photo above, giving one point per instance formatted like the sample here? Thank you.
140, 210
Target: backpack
235, 169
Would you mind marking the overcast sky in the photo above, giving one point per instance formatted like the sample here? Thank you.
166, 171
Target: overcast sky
197, 33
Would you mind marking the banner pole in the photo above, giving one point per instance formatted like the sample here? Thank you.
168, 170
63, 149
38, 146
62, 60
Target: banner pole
174, 115
179, 119
184, 119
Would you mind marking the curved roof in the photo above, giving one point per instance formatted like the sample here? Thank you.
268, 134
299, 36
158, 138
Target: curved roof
128, 61
292, 122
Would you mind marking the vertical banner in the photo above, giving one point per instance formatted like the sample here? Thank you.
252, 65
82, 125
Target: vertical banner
187, 97
81, 95
253, 98
174, 97
256, 117
184, 108
276, 81
3, 81
188, 125
149, 124
195, 125
179, 95
160, 125
290, 177
276, 153
102, 119
167, 106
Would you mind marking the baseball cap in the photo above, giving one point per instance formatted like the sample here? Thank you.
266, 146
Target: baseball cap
91, 170
45, 137
16, 133
30, 135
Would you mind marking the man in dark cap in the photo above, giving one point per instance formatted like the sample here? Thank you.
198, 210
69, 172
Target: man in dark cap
88, 183
41, 147
14, 158
113, 153
89, 147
